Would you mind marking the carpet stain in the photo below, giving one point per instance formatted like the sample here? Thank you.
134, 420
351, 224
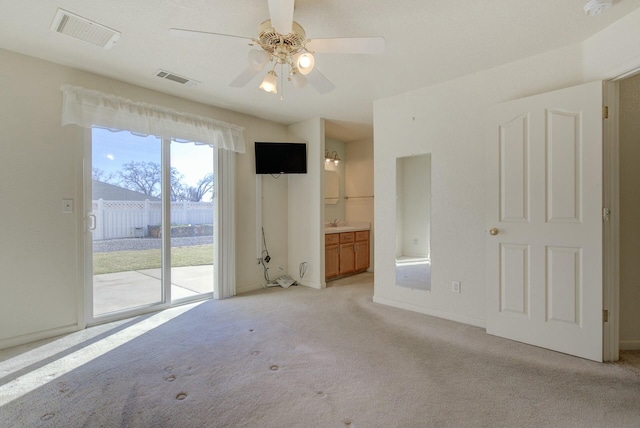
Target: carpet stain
320, 394
274, 368
347, 422
47, 416
251, 330
181, 396
170, 378
168, 368
255, 353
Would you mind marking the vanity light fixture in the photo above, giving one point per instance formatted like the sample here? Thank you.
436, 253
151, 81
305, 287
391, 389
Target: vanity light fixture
331, 157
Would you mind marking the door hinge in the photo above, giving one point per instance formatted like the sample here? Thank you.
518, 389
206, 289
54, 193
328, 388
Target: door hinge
605, 315
606, 213
605, 112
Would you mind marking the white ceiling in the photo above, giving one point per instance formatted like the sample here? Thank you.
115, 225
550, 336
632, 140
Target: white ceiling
427, 41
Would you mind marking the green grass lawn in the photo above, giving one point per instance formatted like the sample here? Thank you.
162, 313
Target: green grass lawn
123, 261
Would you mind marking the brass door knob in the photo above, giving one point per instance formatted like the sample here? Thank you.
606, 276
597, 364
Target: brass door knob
493, 231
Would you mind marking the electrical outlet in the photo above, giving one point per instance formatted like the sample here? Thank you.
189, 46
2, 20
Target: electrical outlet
455, 287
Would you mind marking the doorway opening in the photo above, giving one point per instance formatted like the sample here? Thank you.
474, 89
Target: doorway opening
629, 211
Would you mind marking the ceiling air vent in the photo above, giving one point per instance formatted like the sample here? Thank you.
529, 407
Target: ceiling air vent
84, 29
176, 78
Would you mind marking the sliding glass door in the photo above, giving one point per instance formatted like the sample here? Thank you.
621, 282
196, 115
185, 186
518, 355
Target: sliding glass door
151, 222
192, 209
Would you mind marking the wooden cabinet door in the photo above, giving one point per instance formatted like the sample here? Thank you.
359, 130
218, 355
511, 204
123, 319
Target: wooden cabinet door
331, 261
347, 258
362, 255
362, 250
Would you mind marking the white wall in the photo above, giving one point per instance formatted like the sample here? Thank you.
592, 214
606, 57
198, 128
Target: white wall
359, 182
447, 120
306, 207
41, 255
630, 213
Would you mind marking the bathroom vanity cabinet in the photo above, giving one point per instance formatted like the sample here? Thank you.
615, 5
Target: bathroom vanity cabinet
346, 253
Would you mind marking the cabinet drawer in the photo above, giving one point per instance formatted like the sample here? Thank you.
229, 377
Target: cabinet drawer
362, 235
332, 238
346, 237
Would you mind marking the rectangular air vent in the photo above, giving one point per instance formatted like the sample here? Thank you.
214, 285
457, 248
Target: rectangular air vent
84, 29
176, 78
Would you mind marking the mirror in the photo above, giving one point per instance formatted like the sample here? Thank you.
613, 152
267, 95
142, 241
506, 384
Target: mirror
331, 187
413, 222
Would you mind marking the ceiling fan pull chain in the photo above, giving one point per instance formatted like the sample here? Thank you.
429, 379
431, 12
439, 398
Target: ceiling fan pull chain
281, 83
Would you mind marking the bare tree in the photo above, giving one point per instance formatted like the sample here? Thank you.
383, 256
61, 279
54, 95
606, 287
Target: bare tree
204, 186
146, 177
100, 175
143, 177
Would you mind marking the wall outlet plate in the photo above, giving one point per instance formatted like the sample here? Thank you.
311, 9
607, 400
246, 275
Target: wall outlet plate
67, 206
455, 287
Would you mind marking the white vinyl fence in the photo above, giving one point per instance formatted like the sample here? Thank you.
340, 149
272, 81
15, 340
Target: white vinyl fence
129, 219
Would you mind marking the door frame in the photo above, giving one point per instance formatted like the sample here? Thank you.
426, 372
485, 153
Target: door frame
86, 317
611, 228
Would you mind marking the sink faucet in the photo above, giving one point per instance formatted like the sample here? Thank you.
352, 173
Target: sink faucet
334, 223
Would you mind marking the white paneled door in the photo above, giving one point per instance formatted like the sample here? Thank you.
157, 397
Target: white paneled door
544, 221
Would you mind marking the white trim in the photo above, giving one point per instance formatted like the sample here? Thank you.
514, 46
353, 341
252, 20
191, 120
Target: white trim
611, 228
165, 183
249, 288
630, 345
39, 335
87, 236
433, 312
88, 108
225, 226
259, 217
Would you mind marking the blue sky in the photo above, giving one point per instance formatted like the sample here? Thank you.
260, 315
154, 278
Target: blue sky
110, 150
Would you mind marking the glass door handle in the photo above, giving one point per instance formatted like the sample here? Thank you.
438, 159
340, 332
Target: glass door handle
92, 223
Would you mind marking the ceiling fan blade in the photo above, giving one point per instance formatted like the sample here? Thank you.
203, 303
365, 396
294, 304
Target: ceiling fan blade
348, 45
183, 32
257, 60
281, 13
319, 82
244, 77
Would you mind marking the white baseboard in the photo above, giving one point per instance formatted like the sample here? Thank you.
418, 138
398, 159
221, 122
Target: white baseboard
248, 288
433, 312
39, 335
630, 345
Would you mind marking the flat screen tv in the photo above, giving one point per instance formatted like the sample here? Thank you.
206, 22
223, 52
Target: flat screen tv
281, 158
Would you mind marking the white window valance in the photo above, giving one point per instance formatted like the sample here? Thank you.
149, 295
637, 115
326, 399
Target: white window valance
89, 108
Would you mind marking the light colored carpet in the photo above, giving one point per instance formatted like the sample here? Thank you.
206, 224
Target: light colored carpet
298, 357
413, 272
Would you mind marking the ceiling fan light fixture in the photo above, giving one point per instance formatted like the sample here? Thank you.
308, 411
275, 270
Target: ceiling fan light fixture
596, 7
270, 83
305, 62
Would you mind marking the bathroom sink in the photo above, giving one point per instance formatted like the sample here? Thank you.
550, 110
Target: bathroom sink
347, 227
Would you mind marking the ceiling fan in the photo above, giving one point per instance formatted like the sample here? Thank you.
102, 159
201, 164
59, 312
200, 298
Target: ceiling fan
282, 41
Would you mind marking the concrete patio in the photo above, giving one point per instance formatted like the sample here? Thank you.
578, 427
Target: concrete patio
126, 290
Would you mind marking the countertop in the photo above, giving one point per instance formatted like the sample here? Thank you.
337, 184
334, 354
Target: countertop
346, 227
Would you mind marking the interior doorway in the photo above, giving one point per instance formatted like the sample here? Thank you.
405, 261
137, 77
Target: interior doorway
629, 212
